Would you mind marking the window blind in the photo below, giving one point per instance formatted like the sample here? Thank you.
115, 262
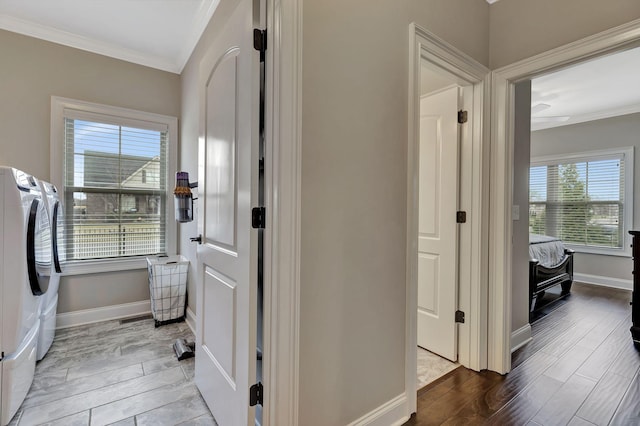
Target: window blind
581, 201
115, 178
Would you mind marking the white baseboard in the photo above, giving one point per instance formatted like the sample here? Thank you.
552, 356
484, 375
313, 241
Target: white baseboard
604, 281
520, 337
191, 320
106, 313
392, 413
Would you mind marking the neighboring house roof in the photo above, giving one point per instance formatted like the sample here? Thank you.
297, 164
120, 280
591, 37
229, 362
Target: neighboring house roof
104, 170
153, 166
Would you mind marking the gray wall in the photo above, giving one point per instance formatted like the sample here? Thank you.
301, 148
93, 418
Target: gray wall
615, 132
354, 184
34, 70
520, 257
523, 28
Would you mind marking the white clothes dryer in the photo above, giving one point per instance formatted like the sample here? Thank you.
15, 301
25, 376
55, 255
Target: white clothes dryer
25, 265
49, 302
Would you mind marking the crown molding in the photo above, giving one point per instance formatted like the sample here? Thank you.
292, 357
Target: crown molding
65, 38
203, 16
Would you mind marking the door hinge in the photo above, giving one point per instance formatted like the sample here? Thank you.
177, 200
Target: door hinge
260, 41
258, 217
462, 117
255, 394
460, 317
461, 217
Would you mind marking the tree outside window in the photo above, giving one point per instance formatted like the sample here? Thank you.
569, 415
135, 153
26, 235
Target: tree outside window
581, 202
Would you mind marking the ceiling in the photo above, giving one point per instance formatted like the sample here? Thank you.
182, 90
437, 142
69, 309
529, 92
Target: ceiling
156, 33
600, 88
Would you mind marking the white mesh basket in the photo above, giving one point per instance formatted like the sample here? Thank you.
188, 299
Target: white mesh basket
168, 287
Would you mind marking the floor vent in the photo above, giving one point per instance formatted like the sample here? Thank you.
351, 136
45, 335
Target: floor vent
135, 319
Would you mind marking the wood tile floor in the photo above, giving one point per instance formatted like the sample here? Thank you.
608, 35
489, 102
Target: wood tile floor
112, 373
580, 369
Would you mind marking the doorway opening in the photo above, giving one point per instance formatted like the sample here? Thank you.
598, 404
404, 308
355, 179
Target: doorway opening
503, 164
438, 241
575, 137
449, 70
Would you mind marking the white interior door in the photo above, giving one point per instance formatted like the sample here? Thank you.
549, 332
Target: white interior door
227, 256
437, 225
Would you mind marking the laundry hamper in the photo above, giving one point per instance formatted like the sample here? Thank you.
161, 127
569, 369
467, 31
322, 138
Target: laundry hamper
168, 288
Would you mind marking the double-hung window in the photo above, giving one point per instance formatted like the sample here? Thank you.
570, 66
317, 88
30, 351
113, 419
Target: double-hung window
115, 166
584, 199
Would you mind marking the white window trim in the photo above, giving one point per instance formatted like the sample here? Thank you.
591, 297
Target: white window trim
58, 107
604, 154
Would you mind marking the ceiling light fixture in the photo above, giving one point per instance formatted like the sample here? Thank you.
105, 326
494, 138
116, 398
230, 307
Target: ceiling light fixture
535, 109
558, 119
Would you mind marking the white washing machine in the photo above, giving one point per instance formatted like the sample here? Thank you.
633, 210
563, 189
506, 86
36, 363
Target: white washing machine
25, 265
49, 302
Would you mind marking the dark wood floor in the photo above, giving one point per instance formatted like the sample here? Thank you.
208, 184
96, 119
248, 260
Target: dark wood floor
580, 369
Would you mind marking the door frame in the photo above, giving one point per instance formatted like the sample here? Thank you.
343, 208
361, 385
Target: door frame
474, 189
283, 136
501, 170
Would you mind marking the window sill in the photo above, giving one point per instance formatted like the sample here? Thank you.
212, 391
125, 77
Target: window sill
599, 251
106, 265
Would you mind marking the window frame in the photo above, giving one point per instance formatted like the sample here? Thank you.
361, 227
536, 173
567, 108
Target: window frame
121, 116
627, 155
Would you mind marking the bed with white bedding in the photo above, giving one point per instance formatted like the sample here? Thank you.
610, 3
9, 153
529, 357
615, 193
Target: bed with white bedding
550, 264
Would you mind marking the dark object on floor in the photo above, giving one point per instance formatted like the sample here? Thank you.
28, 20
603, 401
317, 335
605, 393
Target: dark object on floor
183, 349
171, 321
635, 296
542, 278
548, 302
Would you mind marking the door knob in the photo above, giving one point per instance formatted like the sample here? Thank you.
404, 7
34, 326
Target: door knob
197, 239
